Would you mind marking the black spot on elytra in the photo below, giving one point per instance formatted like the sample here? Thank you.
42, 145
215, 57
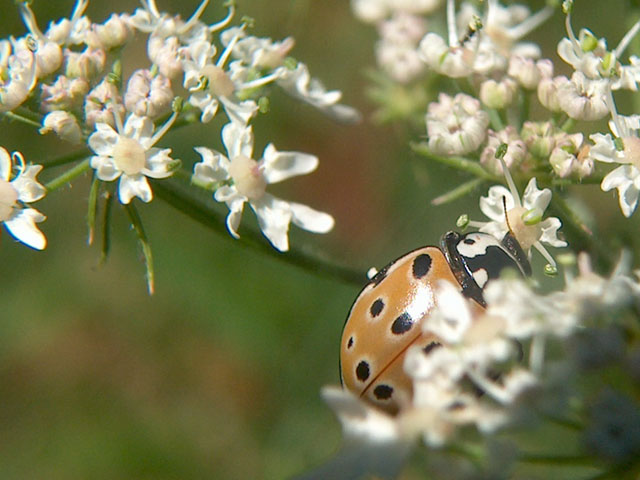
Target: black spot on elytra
383, 392
350, 342
402, 324
469, 241
362, 371
421, 265
376, 307
429, 348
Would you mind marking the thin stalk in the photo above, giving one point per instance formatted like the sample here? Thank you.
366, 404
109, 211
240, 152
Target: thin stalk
459, 163
170, 192
65, 159
19, 118
136, 223
106, 228
94, 192
67, 176
458, 192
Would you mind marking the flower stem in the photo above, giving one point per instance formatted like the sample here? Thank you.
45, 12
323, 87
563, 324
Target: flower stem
19, 118
68, 176
136, 223
172, 193
458, 192
458, 163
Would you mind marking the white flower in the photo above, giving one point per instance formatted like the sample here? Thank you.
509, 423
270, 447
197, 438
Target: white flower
525, 217
20, 219
103, 104
244, 179
129, 154
456, 126
299, 84
527, 71
401, 61
210, 85
624, 149
584, 99
17, 75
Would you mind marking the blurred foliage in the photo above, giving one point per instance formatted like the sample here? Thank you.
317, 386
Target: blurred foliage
218, 374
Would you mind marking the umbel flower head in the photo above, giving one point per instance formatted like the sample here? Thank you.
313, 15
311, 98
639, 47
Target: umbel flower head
16, 191
239, 179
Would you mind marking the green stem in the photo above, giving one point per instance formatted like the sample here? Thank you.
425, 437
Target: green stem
557, 460
65, 159
567, 126
106, 228
92, 208
458, 192
68, 176
136, 222
459, 163
19, 118
495, 120
176, 196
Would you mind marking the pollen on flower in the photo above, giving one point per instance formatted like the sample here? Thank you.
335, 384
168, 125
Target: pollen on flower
632, 150
8, 198
219, 82
247, 177
129, 156
526, 234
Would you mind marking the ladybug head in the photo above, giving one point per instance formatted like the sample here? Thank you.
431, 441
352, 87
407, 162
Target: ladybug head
476, 258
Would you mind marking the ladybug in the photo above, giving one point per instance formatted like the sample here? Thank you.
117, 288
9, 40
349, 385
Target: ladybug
386, 317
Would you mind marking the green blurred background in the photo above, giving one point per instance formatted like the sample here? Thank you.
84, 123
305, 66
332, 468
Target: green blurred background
218, 374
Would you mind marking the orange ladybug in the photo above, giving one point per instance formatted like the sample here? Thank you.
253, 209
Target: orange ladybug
386, 317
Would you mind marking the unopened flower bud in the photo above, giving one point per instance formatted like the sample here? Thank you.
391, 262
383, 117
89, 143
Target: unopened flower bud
497, 95
62, 124
148, 95
87, 64
114, 33
65, 94
102, 103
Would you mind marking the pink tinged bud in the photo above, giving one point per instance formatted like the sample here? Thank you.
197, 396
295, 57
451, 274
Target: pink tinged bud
114, 33
584, 99
247, 177
64, 125
163, 51
548, 92
102, 103
526, 71
87, 64
65, 94
48, 59
8, 199
515, 154
147, 95
497, 95
539, 138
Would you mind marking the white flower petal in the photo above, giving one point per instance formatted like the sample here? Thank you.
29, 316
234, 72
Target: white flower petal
492, 205
140, 129
236, 205
5, 164
23, 227
134, 186
239, 112
238, 140
549, 235
279, 166
103, 139
311, 220
535, 198
274, 216
105, 167
157, 163
29, 190
213, 167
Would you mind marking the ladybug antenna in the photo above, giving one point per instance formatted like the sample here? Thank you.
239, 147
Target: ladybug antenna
506, 217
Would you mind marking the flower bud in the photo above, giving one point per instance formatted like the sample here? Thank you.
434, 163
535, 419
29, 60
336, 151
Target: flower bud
87, 64
62, 124
102, 103
114, 33
148, 95
65, 94
497, 95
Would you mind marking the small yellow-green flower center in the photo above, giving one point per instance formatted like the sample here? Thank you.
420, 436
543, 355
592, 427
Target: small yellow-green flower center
247, 177
526, 235
8, 198
219, 83
129, 156
632, 150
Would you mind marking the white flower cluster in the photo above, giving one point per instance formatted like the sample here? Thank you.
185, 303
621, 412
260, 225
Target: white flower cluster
485, 49
71, 74
483, 353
